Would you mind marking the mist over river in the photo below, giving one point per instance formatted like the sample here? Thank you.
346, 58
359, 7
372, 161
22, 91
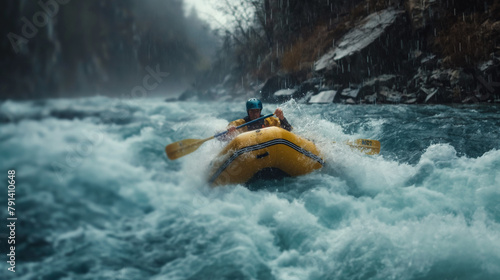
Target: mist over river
97, 198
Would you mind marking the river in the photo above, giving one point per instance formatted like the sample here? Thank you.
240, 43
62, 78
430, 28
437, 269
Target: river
97, 198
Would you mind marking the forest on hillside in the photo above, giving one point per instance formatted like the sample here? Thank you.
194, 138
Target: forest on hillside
76, 48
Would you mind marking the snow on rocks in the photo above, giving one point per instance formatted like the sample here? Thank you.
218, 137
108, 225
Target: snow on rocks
326, 96
368, 30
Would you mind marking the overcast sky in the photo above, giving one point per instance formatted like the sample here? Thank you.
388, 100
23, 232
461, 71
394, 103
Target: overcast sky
206, 11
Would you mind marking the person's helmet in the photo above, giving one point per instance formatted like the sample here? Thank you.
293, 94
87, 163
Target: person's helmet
254, 103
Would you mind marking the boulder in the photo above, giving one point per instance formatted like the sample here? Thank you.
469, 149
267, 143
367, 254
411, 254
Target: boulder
421, 12
283, 95
430, 61
437, 95
168, 99
460, 78
371, 99
351, 92
373, 85
327, 96
275, 84
309, 86
388, 95
364, 34
188, 94
376, 45
350, 101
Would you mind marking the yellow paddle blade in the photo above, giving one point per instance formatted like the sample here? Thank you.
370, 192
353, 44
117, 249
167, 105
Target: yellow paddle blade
184, 147
368, 146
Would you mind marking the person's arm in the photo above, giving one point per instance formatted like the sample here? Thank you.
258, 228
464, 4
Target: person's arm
285, 124
283, 121
231, 128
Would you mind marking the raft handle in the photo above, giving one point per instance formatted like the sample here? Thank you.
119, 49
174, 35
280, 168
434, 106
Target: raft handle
263, 155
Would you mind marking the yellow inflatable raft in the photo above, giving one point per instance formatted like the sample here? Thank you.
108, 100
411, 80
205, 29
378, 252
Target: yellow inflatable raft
264, 153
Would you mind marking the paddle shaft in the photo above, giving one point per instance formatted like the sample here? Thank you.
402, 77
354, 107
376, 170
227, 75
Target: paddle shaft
245, 124
187, 146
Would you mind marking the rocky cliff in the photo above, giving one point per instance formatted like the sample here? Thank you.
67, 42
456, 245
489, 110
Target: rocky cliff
414, 51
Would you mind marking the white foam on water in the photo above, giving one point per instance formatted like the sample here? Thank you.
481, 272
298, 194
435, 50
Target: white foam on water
121, 200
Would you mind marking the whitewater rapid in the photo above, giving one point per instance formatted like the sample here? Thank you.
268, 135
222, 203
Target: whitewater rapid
96, 197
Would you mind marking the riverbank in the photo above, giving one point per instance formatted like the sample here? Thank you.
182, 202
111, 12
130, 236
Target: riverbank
395, 52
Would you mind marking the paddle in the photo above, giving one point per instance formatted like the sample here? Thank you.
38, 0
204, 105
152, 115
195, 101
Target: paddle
367, 146
187, 146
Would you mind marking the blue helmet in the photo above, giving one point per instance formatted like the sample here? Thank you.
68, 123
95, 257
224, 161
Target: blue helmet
254, 103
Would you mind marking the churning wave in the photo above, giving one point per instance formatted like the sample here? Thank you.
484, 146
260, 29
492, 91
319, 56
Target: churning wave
98, 199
